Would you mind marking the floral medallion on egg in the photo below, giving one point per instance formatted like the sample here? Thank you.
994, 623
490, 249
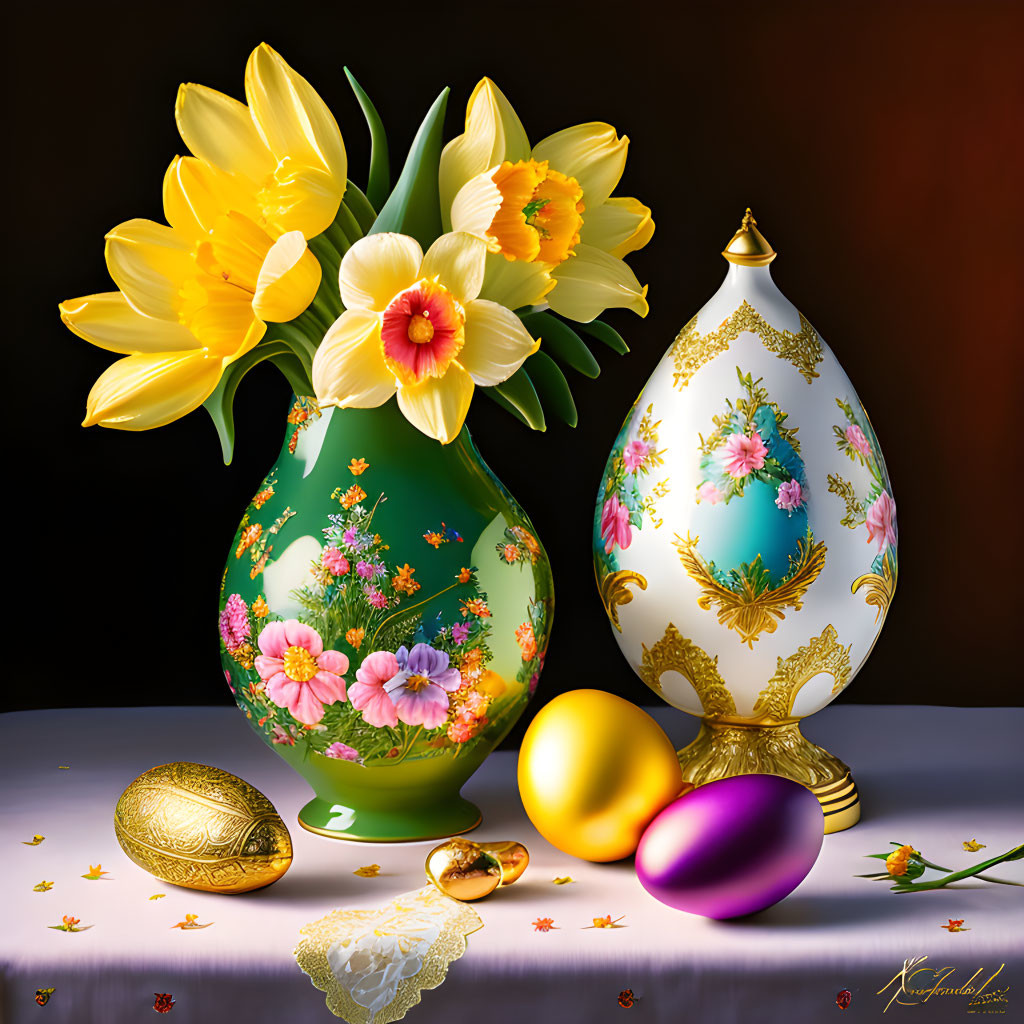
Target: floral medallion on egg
745, 531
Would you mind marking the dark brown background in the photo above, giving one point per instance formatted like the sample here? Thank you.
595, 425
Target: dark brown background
880, 148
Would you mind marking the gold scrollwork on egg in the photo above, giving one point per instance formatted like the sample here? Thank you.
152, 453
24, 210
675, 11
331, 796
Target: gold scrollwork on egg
821, 654
747, 610
693, 350
615, 591
880, 588
674, 652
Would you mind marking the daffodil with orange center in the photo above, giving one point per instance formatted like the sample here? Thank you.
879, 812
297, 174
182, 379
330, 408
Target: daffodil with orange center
548, 210
415, 324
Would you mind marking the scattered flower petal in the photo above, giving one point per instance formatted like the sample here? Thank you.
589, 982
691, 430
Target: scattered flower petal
544, 924
163, 1003
95, 873
564, 880
626, 998
63, 768
973, 846
42, 886
158, 896
606, 922
34, 841
43, 995
190, 923
367, 871
844, 998
955, 926
69, 924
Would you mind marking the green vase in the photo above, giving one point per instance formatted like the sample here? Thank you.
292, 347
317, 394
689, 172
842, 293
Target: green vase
383, 619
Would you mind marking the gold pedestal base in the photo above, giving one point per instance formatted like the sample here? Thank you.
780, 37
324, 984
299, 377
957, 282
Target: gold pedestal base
723, 750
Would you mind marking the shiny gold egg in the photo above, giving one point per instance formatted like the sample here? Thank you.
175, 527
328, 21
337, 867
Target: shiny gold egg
594, 770
202, 828
461, 869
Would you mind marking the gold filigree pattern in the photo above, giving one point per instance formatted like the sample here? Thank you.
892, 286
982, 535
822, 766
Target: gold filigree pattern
673, 652
374, 951
880, 588
854, 508
615, 591
821, 654
658, 491
692, 350
202, 828
748, 611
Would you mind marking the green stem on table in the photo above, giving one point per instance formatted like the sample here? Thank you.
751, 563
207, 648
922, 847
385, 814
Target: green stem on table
1015, 854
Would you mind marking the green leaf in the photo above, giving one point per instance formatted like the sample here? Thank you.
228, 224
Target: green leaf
505, 404
562, 342
608, 335
413, 208
220, 404
360, 206
552, 387
295, 373
519, 390
378, 181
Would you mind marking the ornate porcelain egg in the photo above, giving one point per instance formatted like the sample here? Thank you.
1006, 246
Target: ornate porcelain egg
202, 828
745, 533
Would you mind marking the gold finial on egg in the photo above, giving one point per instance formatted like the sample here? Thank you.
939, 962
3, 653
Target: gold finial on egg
748, 247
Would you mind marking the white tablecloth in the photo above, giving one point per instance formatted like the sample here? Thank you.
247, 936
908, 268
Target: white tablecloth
933, 777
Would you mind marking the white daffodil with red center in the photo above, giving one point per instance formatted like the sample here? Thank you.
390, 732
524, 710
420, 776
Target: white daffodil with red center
547, 210
283, 153
415, 324
195, 295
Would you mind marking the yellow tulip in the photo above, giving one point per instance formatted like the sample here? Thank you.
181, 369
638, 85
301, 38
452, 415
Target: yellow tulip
283, 154
547, 211
415, 324
195, 295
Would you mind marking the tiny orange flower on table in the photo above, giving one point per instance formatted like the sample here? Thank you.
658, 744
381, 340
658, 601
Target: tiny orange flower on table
355, 636
544, 924
69, 924
358, 466
190, 923
403, 582
367, 871
95, 872
955, 926
605, 922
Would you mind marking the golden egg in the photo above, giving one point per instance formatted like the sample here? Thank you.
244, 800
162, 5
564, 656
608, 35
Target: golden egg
202, 828
594, 770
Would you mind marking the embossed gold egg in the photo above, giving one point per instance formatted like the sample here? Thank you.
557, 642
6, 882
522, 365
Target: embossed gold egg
594, 770
202, 828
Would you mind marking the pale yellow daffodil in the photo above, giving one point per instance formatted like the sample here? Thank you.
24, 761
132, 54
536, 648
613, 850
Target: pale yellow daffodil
283, 153
415, 324
547, 211
194, 296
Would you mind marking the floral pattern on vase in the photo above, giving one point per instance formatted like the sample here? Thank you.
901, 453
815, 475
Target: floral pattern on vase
356, 631
869, 503
754, 553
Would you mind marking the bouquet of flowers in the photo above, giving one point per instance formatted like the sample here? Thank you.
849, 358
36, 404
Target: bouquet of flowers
425, 290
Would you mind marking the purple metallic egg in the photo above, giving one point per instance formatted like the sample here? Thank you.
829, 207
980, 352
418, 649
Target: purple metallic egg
731, 847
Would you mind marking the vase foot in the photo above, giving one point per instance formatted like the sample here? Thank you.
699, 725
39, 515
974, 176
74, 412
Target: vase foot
375, 825
723, 750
